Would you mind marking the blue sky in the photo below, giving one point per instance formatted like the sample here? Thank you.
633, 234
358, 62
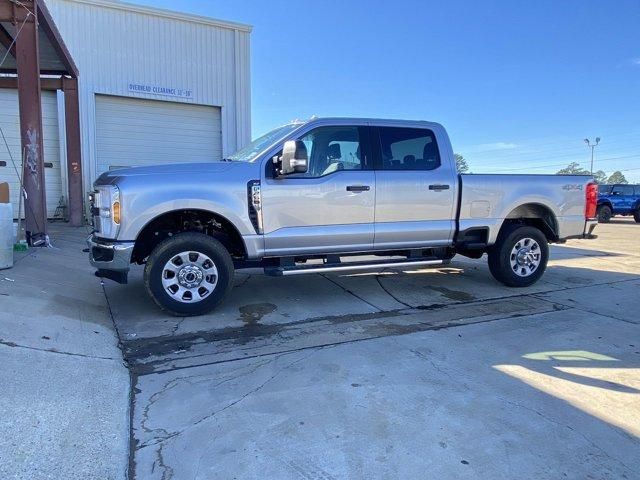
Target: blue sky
519, 85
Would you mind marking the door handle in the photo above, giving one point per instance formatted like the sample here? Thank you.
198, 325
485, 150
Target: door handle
358, 188
437, 188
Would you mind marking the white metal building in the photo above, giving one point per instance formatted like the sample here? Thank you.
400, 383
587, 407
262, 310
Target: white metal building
155, 87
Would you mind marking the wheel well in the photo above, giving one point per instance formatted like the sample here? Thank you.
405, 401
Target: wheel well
188, 220
534, 215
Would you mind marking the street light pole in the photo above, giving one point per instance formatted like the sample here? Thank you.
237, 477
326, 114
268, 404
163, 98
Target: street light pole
593, 147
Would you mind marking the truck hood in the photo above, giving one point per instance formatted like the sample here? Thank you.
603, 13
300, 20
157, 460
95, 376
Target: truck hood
167, 169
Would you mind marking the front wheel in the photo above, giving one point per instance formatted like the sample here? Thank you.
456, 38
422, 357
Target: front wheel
519, 256
636, 215
188, 274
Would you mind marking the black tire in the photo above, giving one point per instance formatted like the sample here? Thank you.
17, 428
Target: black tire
500, 255
604, 213
169, 249
636, 215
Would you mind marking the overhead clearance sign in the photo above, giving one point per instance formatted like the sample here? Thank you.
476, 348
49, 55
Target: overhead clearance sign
157, 90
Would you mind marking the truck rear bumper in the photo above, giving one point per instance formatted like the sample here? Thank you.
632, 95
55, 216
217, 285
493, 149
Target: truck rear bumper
110, 258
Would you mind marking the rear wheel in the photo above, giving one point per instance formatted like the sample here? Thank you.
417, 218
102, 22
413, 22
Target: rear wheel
636, 215
188, 274
604, 213
519, 256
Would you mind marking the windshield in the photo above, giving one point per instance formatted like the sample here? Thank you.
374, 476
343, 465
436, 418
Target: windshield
251, 151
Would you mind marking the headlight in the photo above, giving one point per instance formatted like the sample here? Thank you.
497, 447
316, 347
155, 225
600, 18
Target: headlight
107, 206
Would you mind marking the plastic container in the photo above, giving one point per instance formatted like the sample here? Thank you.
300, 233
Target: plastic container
6, 235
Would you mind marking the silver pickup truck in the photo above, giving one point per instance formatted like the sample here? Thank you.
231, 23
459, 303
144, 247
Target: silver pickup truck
327, 195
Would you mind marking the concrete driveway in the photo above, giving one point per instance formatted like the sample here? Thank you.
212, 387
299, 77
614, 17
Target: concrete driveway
395, 374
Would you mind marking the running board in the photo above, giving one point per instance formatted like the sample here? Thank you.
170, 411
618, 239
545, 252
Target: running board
346, 267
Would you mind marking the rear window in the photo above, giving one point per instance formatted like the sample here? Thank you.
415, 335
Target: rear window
408, 149
623, 190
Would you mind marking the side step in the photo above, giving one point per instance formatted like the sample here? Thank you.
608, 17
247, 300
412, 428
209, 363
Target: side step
346, 267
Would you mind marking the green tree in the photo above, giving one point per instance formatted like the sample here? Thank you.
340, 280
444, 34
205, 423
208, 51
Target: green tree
617, 177
461, 163
600, 177
573, 168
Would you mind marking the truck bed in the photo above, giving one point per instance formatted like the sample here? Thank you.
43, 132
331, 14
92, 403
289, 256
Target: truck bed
488, 199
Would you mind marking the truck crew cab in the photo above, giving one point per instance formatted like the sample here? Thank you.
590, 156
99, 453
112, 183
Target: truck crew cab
327, 195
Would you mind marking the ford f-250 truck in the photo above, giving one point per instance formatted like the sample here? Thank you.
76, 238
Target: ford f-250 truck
327, 195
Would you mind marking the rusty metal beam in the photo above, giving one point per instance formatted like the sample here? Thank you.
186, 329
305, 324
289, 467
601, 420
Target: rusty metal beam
74, 164
12, 12
45, 83
42, 72
29, 99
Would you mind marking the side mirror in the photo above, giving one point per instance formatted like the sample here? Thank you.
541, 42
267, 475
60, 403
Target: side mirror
294, 158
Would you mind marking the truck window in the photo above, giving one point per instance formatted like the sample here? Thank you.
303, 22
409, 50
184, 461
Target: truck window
623, 190
408, 149
332, 149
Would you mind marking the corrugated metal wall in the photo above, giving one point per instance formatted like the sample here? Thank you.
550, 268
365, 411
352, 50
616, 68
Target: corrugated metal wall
115, 44
139, 132
10, 124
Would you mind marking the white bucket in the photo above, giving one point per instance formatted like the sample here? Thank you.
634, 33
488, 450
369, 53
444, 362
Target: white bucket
6, 235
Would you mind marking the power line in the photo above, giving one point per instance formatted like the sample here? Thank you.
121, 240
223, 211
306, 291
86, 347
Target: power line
539, 142
550, 154
564, 164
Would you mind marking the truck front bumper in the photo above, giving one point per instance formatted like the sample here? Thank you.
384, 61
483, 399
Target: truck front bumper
110, 258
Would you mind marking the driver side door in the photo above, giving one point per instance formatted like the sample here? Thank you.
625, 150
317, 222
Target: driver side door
328, 209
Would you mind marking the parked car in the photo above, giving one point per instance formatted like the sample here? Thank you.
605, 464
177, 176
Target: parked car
618, 199
327, 195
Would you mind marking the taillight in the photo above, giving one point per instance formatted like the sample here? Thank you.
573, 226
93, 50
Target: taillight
592, 200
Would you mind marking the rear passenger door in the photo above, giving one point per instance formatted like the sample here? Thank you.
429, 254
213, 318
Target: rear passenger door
414, 189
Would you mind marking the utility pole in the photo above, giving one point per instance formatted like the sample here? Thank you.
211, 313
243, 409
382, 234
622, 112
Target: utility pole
593, 147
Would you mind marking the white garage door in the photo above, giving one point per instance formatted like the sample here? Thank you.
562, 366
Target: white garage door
10, 124
135, 132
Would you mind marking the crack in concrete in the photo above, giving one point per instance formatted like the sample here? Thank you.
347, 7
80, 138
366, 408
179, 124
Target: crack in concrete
351, 292
130, 473
165, 435
377, 277
168, 471
53, 350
